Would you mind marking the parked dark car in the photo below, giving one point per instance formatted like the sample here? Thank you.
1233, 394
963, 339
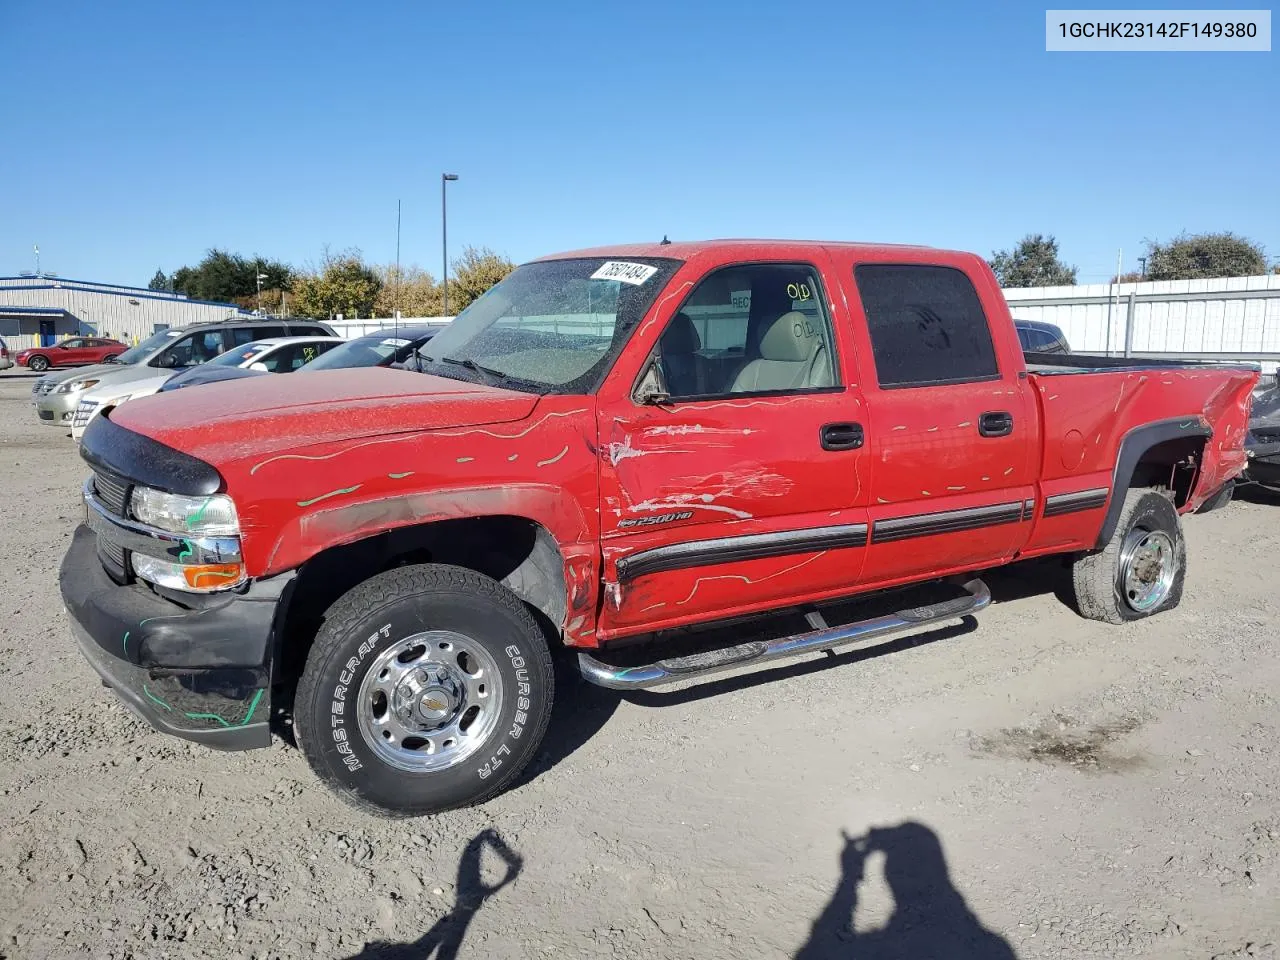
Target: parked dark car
383, 348
1262, 444
1036, 336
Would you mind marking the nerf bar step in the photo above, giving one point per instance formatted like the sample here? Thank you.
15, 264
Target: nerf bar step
761, 651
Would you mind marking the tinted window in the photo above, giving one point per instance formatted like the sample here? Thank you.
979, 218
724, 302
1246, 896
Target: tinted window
926, 324
749, 329
193, 350
73, 343
306, 330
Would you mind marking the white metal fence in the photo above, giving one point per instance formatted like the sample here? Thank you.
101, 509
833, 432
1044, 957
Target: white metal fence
1229, 318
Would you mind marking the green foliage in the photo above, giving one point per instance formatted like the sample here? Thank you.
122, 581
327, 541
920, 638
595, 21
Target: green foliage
160, 282
1133, 276
344, 284
1032, 263
230, 277
412, 291
1203, 255
478, 269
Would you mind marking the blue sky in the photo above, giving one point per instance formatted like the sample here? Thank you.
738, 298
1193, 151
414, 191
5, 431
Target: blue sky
139, 134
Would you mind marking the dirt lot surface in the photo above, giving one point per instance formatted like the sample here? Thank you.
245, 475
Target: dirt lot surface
1035, 786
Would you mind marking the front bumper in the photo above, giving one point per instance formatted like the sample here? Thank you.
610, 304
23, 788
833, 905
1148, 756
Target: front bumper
199, 674
57, 409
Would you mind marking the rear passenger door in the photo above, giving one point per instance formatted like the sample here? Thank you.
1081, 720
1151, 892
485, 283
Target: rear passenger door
952, 433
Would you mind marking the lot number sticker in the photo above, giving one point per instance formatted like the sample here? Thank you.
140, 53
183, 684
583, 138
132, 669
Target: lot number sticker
632, 273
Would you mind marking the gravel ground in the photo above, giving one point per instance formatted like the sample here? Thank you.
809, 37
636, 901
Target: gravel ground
1035, 786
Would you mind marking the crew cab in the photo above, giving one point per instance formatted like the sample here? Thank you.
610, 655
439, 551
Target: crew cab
608, 452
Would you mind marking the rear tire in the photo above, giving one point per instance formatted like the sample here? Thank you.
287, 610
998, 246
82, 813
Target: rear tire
428, 687
1141, 569
38, 364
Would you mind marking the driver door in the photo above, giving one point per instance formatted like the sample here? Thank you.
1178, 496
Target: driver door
743, 487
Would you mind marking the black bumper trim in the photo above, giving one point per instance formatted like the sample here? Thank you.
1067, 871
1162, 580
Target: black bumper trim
200, 674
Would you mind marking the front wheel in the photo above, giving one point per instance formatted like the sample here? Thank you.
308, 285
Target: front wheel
428, 687
38, 364
1141, 569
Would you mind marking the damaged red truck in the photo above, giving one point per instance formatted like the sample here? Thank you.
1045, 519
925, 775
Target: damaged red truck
607, 449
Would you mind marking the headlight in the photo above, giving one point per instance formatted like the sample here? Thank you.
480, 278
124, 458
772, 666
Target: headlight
199, 516
71, 386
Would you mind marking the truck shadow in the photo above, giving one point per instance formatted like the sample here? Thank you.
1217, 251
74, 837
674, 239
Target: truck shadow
930, 916
444, 939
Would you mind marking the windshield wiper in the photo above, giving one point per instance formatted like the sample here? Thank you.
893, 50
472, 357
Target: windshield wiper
478, 367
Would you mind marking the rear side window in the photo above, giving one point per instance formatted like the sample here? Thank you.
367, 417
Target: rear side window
927, 325
306, 330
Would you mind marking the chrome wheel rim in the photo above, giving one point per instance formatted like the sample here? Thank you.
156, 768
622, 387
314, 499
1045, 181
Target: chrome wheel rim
1148, 565
429, 701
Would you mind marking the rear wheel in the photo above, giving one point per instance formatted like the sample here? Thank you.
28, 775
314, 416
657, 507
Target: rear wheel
428, 687
1141, 569
38, 364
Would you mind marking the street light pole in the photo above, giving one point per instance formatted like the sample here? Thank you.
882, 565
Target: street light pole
444, 237
261, 277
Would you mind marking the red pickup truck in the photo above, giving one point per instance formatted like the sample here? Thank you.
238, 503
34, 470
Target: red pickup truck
607, 449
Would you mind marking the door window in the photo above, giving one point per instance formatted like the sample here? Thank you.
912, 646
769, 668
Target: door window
927, 325
752, 329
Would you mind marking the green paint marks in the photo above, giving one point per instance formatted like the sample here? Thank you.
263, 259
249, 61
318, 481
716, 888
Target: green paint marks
124, 645
187, 550
400, 476
154, 699
253, 705
326, 496
195, 517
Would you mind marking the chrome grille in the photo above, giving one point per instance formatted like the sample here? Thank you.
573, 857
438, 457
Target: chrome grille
111, 492
84, 413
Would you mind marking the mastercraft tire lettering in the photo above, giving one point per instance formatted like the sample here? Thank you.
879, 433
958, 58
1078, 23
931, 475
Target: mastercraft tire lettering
428, 687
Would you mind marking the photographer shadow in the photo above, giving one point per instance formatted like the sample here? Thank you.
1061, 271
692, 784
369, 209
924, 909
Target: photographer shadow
444, 939
931, 920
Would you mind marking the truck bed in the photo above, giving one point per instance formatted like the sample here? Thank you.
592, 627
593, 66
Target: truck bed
1056, 364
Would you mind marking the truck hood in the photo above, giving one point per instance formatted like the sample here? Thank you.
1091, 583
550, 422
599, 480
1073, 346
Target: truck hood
225, 422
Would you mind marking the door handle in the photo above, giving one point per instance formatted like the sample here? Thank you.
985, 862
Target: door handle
995, 424
841, 436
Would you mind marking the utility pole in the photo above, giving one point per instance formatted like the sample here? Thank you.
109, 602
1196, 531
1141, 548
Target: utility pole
444, 237
395, 294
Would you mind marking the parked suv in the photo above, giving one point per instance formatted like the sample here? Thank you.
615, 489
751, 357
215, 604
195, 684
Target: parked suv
73, 352
56, 397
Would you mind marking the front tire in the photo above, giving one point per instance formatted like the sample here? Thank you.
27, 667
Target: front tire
1140, 571
429, 687
38, 364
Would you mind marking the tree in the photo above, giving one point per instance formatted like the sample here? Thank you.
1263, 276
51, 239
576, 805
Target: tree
160, 282
344, 284
230, 277
1133, 276
412, 291
478, 269
1202, 255
1032, 263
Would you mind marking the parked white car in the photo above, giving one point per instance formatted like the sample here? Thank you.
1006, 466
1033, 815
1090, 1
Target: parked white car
276, 355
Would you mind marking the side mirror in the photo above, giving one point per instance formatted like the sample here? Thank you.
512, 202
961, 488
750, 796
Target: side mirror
167, 360
652, 391
259, 366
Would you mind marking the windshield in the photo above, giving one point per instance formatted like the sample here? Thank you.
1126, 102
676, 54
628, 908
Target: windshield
239, 355
147, 347
552, 326
367, 351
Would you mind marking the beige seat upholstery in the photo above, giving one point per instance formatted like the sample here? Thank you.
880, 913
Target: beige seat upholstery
792, 356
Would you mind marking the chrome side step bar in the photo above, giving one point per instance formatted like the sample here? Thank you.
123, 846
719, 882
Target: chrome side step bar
761, 651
